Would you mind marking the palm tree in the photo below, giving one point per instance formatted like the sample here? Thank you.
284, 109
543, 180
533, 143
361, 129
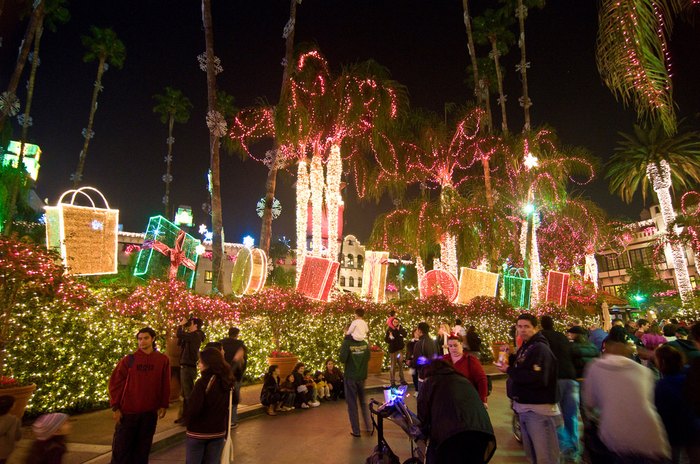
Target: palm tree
104, 46
633, 57
53, 12
651, 158
472, 51
172, 106
217, 129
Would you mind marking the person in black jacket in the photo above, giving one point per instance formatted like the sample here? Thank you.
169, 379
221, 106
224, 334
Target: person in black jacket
570, 398
424, 351
189, 338
236, 355
582, 350
532, 385
206, 413
453, 417
394, 337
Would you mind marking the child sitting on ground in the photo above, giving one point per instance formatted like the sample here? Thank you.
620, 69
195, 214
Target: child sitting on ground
288, 393
324, 391
10, 428
311, 385
358, 329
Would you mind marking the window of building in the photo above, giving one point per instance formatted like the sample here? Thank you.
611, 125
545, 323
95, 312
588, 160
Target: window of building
360, 261
341, 259
671, 282
342, 281
350, 262
350, 243
613, 290
208, 276
351, 281
613, 262
694, 282
359, 281
643, 256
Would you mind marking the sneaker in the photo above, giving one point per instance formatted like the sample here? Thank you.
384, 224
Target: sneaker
304, 406
314, 404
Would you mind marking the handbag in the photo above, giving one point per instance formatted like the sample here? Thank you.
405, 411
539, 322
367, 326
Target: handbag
227, 452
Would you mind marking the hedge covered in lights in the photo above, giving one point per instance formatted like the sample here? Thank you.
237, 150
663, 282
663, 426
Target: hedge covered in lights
70, 354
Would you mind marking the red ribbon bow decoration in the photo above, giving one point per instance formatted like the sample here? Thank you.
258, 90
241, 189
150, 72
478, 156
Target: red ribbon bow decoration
176, 255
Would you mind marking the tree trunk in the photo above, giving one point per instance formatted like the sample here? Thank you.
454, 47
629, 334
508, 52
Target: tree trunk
271, 183
488, 189
521, 13
29, 35
214, 145
78, 175
303, 194
334, 172
25, 130
591, 270
472, 50
499, 78
168, 161
660, 177
316, 182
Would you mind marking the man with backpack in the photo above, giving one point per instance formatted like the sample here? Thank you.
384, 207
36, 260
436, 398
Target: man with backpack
424, 351
139, 391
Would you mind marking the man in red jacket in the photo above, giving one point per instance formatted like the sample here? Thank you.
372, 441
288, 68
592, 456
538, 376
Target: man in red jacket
139, 390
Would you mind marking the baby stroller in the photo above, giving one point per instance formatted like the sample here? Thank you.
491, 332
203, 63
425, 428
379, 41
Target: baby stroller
397, 412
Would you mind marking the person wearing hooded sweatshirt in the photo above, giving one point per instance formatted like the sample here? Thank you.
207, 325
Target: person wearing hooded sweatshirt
394, 337
355, 356
453, 416
532, 385
685, 346
189, 338
619, 392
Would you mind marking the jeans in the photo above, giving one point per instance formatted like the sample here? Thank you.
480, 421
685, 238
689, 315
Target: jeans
569, 405
204, 451
540, 437
354, 393
133, 436
396, 360
234, 406
188, 374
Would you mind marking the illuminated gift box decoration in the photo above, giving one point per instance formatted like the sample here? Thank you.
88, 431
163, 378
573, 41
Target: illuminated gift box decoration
317, 277
558, 287
439, 282
374, 275
249, 272
516, 287
473, 283
85, 236
167, 252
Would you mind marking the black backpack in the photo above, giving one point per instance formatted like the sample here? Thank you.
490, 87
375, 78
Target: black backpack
382, 454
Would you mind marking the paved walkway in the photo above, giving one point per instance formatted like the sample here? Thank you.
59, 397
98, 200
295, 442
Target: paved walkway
317, 434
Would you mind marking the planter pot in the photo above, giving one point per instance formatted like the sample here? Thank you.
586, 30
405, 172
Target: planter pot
286, 364
21, 396
376, 359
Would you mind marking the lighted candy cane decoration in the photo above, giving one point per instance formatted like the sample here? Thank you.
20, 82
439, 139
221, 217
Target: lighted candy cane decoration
316, 179
334, 171
303, 194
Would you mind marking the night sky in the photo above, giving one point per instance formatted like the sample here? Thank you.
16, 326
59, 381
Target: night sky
422, 43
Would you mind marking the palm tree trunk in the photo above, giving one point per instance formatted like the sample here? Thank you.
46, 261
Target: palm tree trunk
25, 130
36, 17
271, 183
316, 181
536, 273
499, 78
591, 270
214, 145
168, 161
303, 194
487, 181
660, 177
521, 13
78, 176
472, 50
334, 171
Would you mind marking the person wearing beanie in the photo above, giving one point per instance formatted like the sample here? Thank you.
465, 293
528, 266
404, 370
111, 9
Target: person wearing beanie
394, 337
50, 431
10, 428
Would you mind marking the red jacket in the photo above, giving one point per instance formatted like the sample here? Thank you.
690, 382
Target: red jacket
470, 367
140, 383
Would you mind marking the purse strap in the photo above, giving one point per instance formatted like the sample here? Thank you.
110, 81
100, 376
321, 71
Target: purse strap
230, 404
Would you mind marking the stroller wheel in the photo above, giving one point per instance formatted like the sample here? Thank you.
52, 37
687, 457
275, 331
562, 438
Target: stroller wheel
517, 433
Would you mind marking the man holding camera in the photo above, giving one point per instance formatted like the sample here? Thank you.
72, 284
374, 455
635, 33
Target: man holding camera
190, 338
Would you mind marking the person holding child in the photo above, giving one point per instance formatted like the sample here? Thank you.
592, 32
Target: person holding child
304, 395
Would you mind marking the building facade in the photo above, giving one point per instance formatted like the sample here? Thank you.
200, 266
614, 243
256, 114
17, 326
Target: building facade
640, 249
352, 262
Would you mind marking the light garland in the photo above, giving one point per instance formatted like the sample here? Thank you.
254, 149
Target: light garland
591, 270
535, 266
303, 194
334, 172
316, 186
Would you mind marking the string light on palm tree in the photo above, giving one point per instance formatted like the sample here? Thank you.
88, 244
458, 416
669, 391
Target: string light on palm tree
530, 224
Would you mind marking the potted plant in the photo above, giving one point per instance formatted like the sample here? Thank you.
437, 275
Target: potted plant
30, 278
376, 360
284, 359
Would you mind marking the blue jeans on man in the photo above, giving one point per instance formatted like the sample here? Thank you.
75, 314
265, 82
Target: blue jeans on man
569, 406
540, 437
354, 394
204, 451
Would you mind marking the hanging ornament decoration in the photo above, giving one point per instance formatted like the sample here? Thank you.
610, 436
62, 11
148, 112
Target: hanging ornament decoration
276, 208
249, 271
9, 103
439, 282
203, 63
85, 236
216, 123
